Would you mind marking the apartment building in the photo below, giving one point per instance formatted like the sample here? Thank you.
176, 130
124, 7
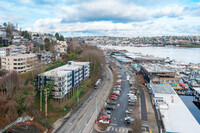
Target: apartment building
20, 63
2, 52
65, 78
61, 46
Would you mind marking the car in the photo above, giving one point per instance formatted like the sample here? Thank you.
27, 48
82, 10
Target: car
104, 121
116, 94
131, 92
117, 89
104, 118
132, 100
109, 108
128, 120
108, 111
131, 104
128, 111
105, 114
111, 102
113, 98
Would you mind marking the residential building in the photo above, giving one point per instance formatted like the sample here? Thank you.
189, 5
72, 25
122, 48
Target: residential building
61, 46
20, 63
159, 74
2, 52
175, 116
65, 78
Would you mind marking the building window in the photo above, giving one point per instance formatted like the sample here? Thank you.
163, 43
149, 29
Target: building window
15, 59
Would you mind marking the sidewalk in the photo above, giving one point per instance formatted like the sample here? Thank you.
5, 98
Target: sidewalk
153, 127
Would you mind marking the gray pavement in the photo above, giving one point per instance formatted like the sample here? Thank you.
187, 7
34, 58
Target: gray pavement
118, 113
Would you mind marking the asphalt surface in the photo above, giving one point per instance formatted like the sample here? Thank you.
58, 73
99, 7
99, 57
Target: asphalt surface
80, 117
142, 97
118, 114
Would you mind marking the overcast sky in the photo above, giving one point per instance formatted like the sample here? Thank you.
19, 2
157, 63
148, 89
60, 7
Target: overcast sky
104, 17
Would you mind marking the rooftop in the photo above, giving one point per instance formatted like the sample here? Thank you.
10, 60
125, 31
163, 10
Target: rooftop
176, 118
162, 89
156, 68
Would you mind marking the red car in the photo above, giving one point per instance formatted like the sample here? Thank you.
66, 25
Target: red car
116, 94
118, 83
113, 98
104, 118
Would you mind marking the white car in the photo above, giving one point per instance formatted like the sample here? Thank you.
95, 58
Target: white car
129, 111
104, 121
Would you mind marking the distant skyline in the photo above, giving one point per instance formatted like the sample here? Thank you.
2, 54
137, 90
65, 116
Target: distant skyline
126, 18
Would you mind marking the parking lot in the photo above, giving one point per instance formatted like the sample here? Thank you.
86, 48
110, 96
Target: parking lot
117, 113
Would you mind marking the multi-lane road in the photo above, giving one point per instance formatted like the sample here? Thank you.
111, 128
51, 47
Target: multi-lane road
79, 119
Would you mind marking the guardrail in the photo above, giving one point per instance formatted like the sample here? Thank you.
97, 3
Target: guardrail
20, 119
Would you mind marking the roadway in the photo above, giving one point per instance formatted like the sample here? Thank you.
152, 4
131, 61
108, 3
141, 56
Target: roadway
78, 120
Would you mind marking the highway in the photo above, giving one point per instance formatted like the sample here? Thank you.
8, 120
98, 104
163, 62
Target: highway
80, 117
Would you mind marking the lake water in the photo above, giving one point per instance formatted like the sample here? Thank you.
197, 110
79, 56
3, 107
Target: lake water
187, 55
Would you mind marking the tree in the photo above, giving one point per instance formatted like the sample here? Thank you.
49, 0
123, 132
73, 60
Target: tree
26, 35
57, 36
61, 38
47, 44
5, 24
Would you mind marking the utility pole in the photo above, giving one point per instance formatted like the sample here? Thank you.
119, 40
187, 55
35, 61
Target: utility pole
41, 92
46, 103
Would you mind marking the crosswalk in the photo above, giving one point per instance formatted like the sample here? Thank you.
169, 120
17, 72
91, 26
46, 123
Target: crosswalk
118, 129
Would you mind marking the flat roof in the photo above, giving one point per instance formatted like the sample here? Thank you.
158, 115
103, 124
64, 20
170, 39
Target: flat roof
56, 72
162, 89
177, 118
156, 68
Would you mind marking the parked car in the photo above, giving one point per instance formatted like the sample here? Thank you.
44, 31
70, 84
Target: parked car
117, 89
116, 94
105, 114
104, 118
104, 121
111, 102
131, 92
128, 120
109, 108
132, 100
113, 98
108, 111
131, 104
128, 111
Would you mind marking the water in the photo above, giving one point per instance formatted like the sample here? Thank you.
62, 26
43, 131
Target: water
191, 106
187, 55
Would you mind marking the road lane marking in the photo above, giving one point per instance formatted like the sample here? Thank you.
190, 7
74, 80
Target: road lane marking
92, 102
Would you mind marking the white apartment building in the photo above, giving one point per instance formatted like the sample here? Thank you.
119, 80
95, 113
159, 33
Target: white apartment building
20, 63
61, 46
65, 78
2, 52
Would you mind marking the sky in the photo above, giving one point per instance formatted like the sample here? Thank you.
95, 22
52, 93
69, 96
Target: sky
126, 18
